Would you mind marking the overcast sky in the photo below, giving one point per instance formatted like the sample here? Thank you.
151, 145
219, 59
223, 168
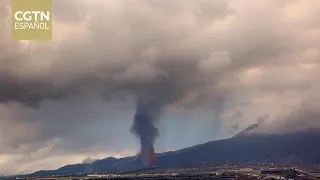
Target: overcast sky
216, 66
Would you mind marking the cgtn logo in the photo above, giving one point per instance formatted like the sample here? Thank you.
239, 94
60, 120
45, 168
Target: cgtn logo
32, 20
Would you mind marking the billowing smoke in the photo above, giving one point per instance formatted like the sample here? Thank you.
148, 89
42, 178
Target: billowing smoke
206, 55
144, 126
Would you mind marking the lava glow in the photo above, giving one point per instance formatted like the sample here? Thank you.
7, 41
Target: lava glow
149, 157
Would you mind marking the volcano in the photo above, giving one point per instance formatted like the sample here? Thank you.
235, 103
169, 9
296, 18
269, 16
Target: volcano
290, 148
149, 157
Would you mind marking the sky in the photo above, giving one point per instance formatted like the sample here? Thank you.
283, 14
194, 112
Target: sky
214, 67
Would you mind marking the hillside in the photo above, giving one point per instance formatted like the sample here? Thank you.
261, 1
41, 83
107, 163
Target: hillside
298, 147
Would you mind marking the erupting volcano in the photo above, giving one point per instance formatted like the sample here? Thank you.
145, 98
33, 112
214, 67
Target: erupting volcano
149, 157
144, 128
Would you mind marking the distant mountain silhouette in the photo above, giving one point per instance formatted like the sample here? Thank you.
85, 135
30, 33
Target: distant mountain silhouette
297, 147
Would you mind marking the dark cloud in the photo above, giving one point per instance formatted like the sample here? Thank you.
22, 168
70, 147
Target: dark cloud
141, 67
243, 59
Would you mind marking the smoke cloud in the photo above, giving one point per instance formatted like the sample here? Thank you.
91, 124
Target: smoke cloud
109, 61
144, 123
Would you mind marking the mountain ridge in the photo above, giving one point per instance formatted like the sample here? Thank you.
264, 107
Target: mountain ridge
292, 148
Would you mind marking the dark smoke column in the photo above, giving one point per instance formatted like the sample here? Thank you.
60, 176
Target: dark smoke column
143, 127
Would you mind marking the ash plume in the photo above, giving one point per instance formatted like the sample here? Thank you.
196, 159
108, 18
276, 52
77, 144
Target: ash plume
144, 126
144, 122
157, 56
